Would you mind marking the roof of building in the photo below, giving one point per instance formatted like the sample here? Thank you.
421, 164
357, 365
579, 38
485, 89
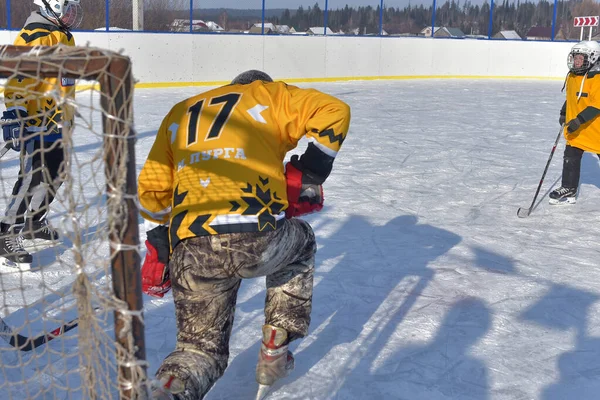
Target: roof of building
455, 32
509, 35
540, 31
318, 30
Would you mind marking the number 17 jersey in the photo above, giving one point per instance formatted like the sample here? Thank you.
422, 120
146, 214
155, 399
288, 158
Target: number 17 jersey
216, 165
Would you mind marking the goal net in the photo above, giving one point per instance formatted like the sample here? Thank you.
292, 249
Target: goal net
71, 323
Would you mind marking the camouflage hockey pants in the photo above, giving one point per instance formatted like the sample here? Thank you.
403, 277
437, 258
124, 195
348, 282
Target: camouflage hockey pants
206, 273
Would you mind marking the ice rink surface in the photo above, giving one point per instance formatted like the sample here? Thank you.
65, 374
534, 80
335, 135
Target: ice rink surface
427, 285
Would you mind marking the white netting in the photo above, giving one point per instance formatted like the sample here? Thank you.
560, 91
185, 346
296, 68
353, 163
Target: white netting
91, 272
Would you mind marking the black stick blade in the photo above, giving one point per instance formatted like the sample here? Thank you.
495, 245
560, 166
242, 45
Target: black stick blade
523, 212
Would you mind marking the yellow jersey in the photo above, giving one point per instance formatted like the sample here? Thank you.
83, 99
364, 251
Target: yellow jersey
30, 94
216, 165
586, 104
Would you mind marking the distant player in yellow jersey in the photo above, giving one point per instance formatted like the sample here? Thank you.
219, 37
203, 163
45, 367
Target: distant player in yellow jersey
580, 112
32, 124
215, 176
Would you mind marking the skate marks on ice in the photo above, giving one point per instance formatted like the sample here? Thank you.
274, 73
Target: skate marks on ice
538, 243
590, 169
567, 309
590, 176
444, 366
526, 211
372, 354
359, 334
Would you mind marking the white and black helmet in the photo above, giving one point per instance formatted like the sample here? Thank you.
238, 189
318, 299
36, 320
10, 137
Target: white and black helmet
68, 12
590, 50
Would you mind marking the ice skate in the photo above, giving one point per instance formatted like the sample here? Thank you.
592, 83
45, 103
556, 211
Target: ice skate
38, 235
12, 253
275, 361
563, 195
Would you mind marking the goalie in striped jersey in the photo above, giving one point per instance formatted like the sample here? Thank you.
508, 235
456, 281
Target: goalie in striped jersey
215, 176
32, 125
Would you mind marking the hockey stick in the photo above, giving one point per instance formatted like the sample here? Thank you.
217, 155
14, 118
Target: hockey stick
5, 149
25, 343
524, 212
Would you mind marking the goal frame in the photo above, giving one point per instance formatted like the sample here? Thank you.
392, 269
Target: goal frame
112, 72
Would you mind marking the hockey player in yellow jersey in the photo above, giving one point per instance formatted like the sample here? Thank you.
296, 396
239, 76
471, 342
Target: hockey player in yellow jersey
32, 125
215, 176
580, 113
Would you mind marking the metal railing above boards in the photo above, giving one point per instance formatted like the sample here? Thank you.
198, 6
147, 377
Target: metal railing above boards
454, 19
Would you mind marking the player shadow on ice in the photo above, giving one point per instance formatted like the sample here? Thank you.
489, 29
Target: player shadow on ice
370, 291
377, 275
442, 367
493, 262
46, 256
567, 309
590, 169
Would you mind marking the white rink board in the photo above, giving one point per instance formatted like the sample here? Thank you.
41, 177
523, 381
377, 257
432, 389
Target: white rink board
182, 58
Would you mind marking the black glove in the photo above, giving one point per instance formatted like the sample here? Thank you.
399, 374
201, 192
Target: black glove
308, 176
574, 124
13, 125
304, 197
159, 238
562, 119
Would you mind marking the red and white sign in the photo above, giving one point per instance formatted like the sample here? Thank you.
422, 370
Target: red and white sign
586, 21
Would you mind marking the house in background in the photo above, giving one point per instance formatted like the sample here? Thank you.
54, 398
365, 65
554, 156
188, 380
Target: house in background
427, 31
449, 33
319, 30
213, 26
284, 29
198, 25
269, 28
508, 35
272, 29
543, 33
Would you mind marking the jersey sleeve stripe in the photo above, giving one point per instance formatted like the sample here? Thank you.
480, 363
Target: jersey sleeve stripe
158, 215
322, 147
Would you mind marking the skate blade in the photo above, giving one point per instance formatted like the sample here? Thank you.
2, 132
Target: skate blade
559, 202
13, 265
39, 244
161, 395
263, 391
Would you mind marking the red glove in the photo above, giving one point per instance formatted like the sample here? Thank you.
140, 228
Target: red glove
155, 271
155, 275
302, 198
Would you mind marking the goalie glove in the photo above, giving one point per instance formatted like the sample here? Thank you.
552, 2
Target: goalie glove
13, 126
303, 196
155, 270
